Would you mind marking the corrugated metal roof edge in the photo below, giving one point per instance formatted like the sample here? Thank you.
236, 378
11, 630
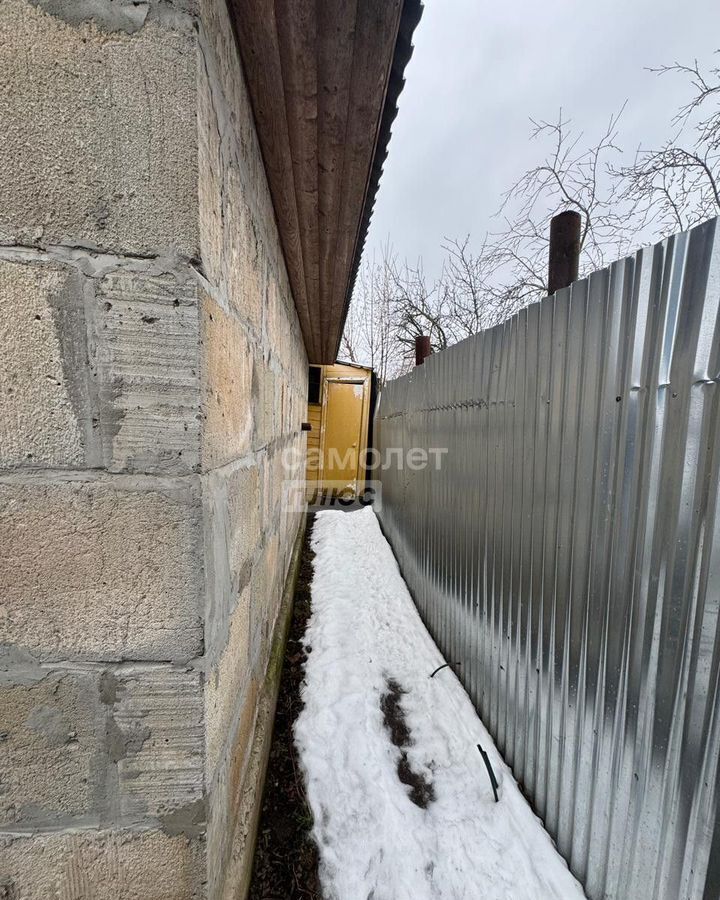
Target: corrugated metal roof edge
409, 19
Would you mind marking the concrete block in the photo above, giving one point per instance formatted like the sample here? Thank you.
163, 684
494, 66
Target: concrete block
283, 330
49, 759
99, 371
101, 571
146, 356
244, 255
87, 746
227, 386
231, 502
156, 739
228, 682
265, 412
244, 524
294, 406
274, 476
102, 865
210, 182
277, 320
43, 367
231, 250
234, 116
236, 784
234, 796
116, 15
99, 137
267, 585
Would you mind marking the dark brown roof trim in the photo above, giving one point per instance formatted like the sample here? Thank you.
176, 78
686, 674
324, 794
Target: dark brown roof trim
409, 19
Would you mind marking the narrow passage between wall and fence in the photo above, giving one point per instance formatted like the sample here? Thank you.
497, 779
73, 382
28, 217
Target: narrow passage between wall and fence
567, 556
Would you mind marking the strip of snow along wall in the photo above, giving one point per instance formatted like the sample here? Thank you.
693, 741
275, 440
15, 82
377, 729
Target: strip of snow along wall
402, 801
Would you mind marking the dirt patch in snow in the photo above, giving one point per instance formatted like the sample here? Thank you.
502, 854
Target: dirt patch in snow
421, 791
286, 857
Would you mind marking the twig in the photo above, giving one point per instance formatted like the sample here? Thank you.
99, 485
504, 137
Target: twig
491, 774
443, 666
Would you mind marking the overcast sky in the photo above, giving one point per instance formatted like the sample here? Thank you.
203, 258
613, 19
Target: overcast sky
481, 69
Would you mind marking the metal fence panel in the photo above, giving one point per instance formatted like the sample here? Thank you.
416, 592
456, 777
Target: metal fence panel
567, 556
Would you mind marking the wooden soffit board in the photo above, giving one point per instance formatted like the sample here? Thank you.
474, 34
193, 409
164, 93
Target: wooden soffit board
318, 74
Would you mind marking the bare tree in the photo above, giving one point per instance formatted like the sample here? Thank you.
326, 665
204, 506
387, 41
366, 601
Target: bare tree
392, 304
678, 185
477, 290
370, 335
418, 307
474, 299
571, 176
661, 192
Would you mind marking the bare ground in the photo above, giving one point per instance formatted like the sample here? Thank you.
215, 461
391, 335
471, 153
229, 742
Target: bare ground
286, 858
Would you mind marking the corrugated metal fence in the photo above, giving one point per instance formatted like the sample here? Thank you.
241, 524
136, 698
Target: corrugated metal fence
567, 555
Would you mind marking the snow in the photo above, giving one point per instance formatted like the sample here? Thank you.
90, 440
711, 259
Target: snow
375, 842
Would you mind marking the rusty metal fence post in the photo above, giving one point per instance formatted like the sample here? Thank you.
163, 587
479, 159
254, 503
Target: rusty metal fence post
564, 254
422, 349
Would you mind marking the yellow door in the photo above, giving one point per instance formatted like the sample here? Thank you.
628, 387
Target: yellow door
342, 434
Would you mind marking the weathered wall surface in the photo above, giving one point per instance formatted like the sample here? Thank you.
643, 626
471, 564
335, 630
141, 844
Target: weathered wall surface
253, 395
152, 376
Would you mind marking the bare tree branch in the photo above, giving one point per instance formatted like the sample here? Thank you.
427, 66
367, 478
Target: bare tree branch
661, 192
678, 185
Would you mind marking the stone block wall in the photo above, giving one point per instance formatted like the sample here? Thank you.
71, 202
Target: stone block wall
152, 377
